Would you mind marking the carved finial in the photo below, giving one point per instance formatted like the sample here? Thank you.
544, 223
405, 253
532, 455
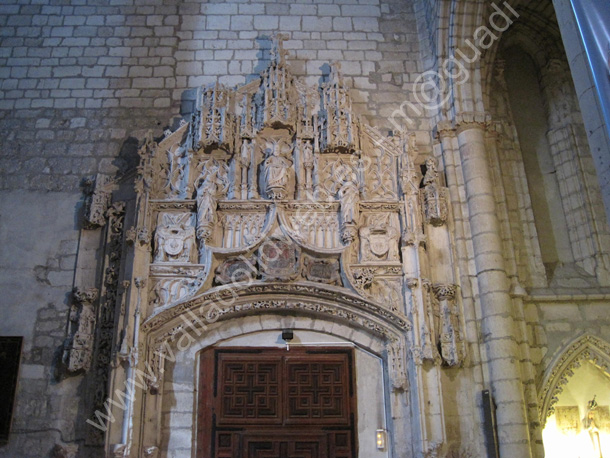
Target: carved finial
278, 53
335, 71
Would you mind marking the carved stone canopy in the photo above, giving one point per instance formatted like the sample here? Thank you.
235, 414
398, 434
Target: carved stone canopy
585, 348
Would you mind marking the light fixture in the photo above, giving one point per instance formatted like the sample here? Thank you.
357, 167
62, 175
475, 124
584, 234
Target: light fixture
381, 439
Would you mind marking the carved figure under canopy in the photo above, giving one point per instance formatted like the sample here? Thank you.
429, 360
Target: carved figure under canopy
212, 184
276, 169
349, 196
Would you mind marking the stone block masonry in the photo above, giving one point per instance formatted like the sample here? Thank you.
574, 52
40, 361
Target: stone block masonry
125, 66
82, 82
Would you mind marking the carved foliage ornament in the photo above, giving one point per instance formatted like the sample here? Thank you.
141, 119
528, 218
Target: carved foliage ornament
110, 295
97, 200
79, 346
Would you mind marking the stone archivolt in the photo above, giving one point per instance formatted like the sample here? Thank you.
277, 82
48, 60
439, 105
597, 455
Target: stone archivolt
585, 348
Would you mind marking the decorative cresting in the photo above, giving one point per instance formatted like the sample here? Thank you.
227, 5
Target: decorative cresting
585, 348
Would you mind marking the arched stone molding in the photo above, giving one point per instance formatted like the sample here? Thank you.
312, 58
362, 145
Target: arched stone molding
223, 313
540, 44
584, 348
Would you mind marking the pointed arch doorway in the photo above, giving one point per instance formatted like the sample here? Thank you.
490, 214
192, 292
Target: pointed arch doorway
273, 403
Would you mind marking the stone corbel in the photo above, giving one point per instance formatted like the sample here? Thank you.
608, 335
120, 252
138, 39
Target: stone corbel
444, 291
412, 282
79, 348
98, 197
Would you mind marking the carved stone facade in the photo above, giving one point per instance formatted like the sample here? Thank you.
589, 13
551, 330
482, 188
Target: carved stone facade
276, 205
270, 201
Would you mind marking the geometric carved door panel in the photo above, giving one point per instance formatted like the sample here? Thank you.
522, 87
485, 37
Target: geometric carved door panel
273, 403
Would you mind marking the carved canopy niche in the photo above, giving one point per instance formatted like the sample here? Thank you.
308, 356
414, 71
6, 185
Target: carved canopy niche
585, 348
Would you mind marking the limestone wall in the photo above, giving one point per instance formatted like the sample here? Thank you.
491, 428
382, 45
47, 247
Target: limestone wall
82, 82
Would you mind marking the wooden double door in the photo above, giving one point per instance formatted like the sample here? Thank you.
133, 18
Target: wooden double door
274, 403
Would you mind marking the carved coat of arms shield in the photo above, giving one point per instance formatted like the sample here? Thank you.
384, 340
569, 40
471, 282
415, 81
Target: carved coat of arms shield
174, 245
379, 243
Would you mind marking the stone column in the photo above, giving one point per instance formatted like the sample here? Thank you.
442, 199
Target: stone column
497, 324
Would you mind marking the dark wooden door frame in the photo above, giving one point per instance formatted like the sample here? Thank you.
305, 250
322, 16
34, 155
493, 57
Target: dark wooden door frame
225, 425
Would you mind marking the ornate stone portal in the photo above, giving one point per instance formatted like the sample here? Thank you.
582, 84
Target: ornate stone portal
278, 198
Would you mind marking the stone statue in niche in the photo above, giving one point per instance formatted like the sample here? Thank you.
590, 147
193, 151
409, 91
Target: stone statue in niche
307, 153
349, 196
211, 184
308, 162
379, 239
174, 238
276, 168
434, 196
245, 159
446, 322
